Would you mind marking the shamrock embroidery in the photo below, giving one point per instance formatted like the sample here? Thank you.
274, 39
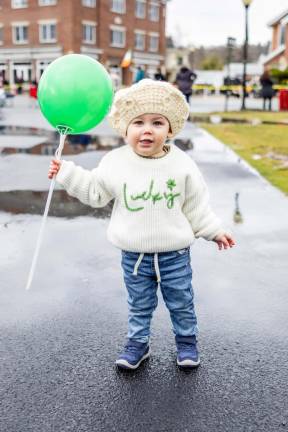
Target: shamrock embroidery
171, 184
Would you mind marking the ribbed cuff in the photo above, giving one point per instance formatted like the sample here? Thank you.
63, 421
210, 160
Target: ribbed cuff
65, 173
220, 231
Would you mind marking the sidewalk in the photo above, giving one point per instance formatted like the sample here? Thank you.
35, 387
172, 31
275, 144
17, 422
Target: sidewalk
62, 337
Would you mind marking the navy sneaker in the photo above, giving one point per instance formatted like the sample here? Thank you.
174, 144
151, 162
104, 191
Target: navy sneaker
187, 353
134, 353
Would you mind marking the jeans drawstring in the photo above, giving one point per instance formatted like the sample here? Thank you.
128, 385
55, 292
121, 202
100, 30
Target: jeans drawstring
138, 262
156, 265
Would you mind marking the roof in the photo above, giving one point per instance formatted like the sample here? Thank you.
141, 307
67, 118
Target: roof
278, 18
274, 53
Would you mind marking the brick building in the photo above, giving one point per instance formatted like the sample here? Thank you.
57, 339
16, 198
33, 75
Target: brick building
35, 32
278, 55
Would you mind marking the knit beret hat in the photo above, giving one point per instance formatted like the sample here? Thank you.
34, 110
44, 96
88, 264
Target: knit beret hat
148, 97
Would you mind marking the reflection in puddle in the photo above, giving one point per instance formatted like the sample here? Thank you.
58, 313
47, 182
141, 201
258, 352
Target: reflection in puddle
74, 144
62, 205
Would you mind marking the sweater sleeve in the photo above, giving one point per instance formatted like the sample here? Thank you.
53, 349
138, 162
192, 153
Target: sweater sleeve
88, 186
197, 208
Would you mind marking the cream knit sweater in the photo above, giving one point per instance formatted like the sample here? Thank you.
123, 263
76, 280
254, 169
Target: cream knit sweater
160, 204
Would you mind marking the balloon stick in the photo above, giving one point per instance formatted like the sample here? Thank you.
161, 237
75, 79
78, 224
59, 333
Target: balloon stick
44, 218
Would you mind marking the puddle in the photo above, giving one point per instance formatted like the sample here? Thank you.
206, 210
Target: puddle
62, 205
74, 144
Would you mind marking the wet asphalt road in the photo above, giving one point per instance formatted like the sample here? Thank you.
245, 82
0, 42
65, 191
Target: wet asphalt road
59, 341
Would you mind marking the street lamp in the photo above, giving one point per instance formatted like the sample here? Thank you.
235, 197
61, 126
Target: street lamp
246, 3
227, 81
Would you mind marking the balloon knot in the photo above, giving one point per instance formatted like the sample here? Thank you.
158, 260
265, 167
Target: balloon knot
63, 130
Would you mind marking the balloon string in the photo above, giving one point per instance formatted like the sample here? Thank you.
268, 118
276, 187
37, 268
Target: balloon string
63, 132
44, 218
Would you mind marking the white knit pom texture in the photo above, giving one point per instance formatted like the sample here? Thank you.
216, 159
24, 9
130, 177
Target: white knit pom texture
149, 97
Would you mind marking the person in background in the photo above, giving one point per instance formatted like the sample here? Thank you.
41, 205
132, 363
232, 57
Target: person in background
159, 76
140, 74
2, 95
185, 79
116, 79
20, 82
267, 91
33, 93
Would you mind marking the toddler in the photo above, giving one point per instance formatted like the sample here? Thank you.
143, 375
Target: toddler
161, 205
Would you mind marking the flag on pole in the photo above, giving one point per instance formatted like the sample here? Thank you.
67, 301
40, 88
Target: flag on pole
127, 59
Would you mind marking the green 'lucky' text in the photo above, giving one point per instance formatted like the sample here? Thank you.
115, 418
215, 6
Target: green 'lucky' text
150, 194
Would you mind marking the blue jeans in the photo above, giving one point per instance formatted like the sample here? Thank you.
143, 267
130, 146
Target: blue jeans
175, 271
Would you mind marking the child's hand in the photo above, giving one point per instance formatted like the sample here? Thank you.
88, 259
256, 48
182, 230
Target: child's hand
225, 241
55, 166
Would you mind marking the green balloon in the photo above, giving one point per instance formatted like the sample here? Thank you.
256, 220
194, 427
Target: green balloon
75, 92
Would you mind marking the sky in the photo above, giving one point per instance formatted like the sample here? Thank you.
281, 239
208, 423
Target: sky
210, 22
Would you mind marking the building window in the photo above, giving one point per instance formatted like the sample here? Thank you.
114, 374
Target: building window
154, 12
117, 37
118, 6
20, 33
47, 32
89, 32
19, 4
139, 40
282, 34
89, 3
154, 43
47, 2
140, 9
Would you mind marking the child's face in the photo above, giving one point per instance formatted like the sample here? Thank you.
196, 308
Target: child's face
147, 134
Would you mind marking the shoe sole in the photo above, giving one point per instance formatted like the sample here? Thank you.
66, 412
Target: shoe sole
123, 364
188, 363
